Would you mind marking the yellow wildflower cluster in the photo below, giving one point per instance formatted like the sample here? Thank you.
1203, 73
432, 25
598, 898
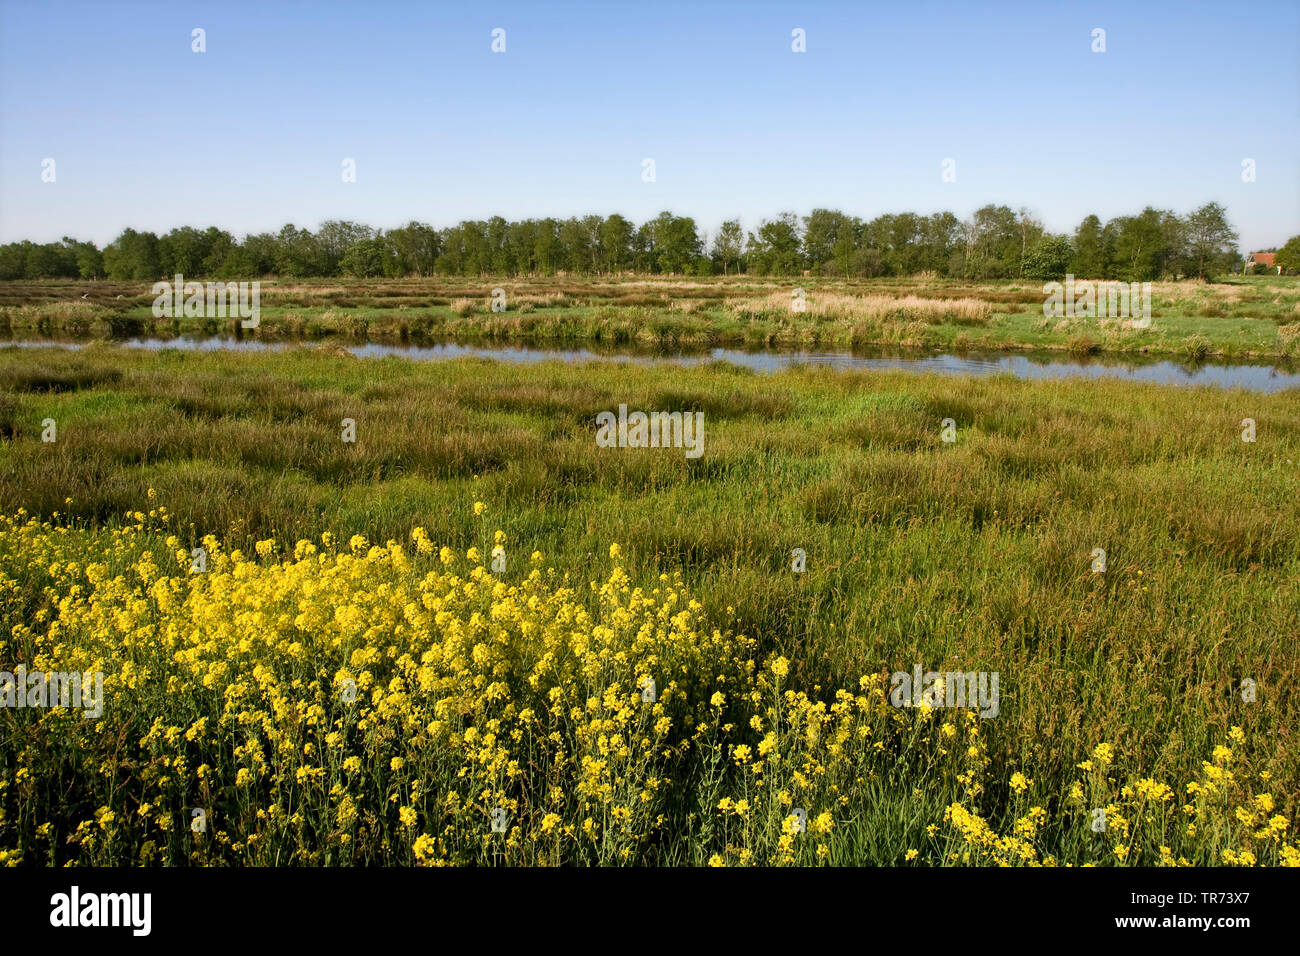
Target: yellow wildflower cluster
1139, 822
402, 703
356, 704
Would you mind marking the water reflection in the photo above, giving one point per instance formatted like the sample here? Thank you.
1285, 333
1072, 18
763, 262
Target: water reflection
1041, 365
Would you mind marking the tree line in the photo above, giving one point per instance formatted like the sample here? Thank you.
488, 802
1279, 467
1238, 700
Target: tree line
995, 242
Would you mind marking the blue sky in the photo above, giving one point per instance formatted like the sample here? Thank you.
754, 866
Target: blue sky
252, 134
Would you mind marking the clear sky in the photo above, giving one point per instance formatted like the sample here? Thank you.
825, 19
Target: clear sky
253, 133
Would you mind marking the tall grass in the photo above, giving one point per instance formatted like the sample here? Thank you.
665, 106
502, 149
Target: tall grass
874, 308
975, 553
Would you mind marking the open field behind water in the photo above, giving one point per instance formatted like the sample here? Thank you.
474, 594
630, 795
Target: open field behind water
1244, 318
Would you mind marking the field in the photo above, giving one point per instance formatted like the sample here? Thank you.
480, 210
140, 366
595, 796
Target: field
1238, 318
348, 679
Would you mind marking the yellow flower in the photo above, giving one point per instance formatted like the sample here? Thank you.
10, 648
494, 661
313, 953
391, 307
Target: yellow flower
425, 847
422, 542
479, 508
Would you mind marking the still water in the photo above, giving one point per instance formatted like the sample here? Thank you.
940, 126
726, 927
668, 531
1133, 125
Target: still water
1046, 365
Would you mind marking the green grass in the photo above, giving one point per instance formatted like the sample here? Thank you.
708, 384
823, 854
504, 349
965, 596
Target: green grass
974, 554
1243, 317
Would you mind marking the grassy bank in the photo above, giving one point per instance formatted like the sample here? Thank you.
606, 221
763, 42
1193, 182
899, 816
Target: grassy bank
1240, 318
973, 555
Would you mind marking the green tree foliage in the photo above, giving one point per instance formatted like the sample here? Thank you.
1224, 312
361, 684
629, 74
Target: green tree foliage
296, 253
132, 255
1140, 247
1092, 255
365, 259
995, 242
191, 252
729, 246
1210, 240
416, 247
1049, 258
546, 247
614, 244
824, 231
677, 243
1288, 257
333, 240
776, 249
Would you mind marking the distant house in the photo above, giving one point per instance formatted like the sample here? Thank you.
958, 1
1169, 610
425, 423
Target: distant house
1262, 259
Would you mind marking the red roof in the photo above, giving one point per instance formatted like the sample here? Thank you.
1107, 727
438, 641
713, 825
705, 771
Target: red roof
1263, 258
